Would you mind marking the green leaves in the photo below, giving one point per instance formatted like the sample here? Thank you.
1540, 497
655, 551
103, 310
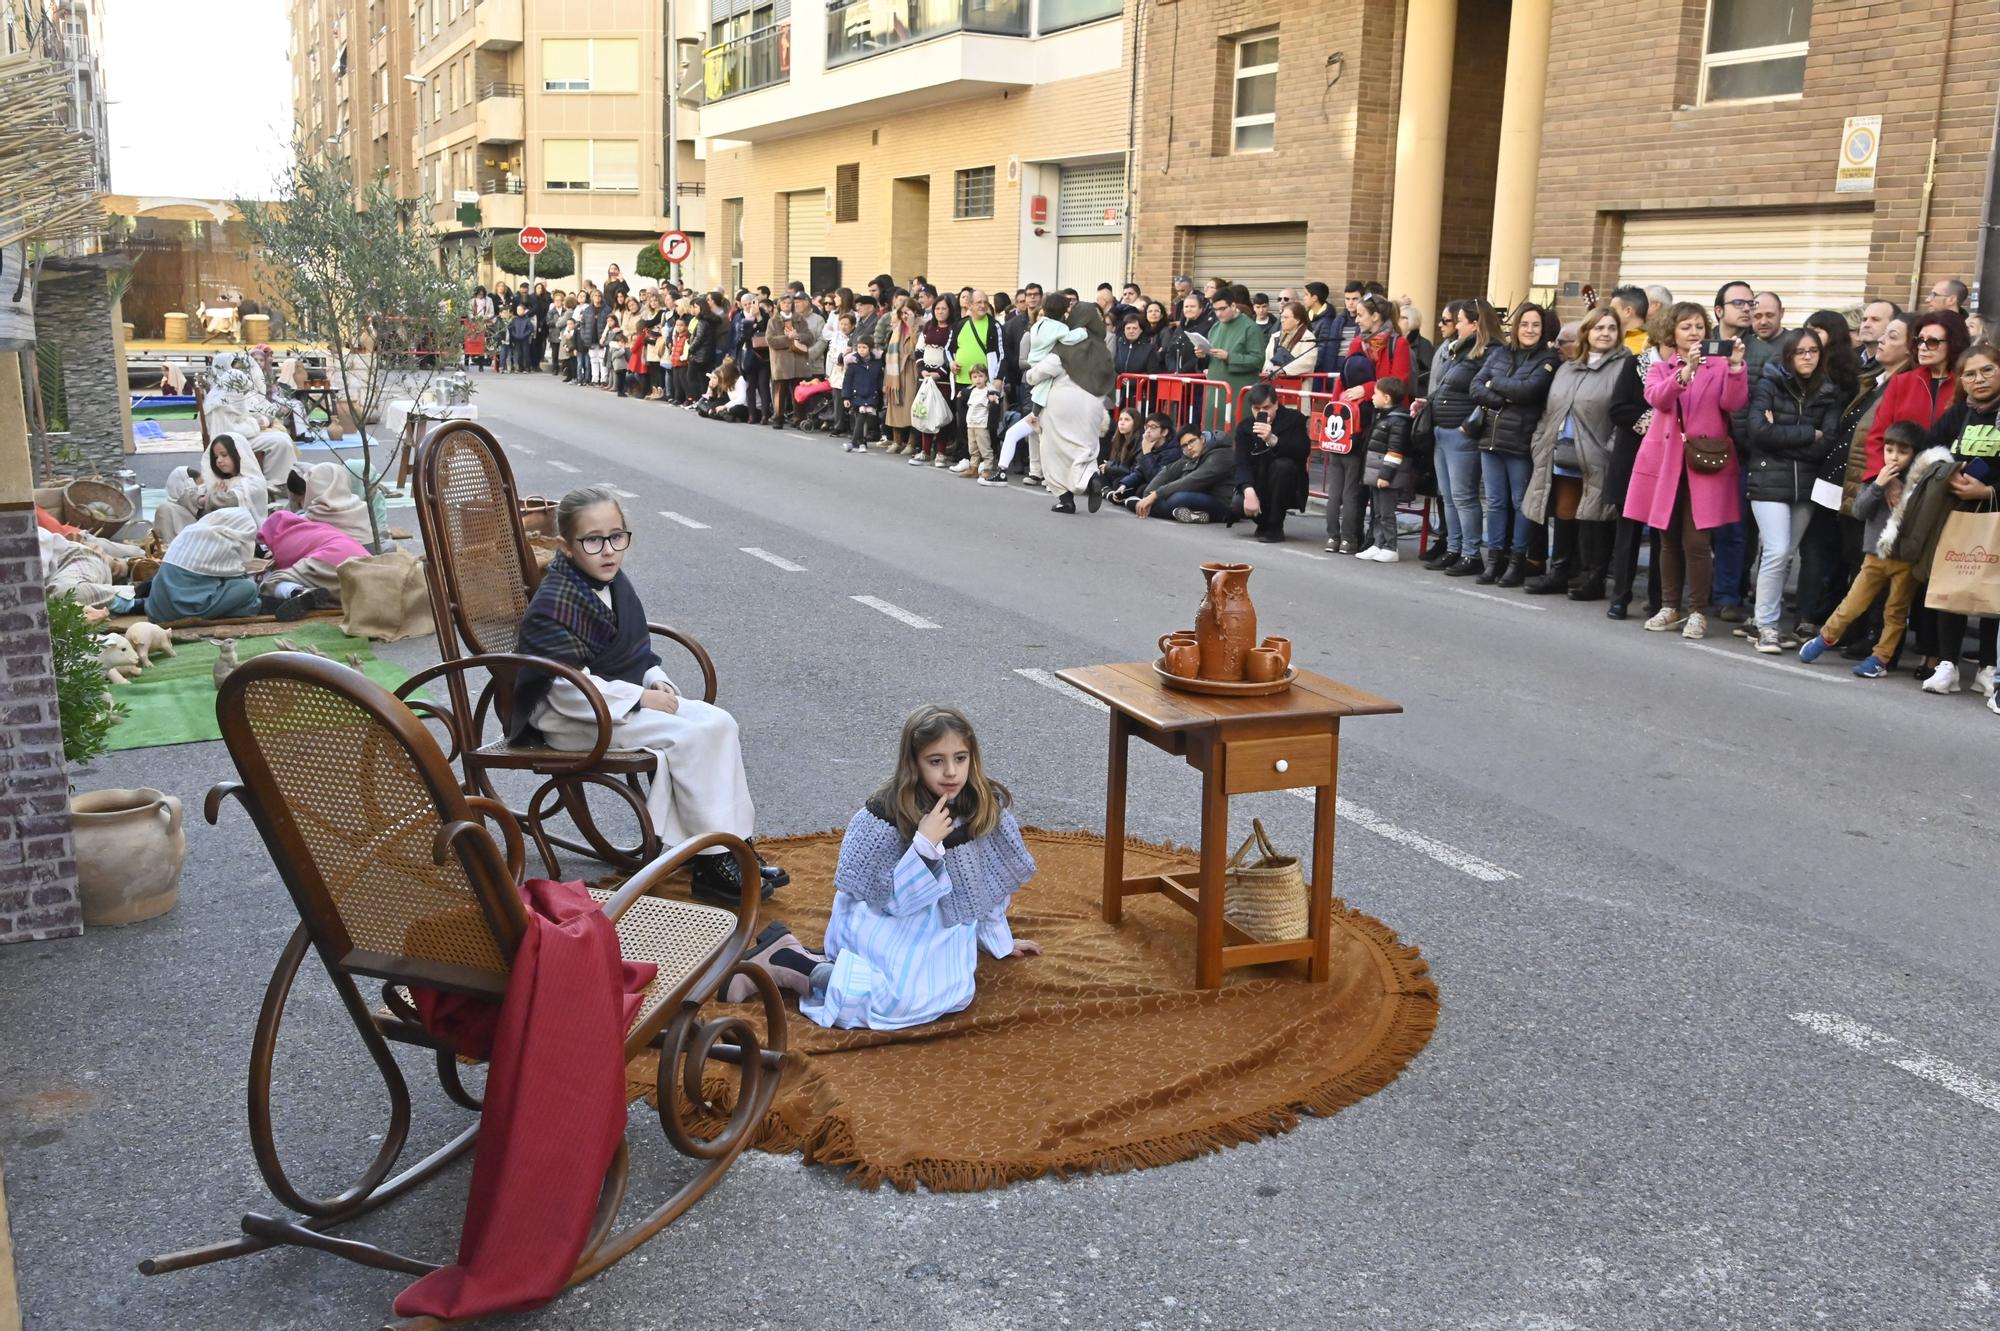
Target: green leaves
558, 260
82, 691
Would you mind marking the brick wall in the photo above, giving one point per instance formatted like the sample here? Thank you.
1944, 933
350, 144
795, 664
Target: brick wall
1472, 149
1620, 133
37, 866
74, 314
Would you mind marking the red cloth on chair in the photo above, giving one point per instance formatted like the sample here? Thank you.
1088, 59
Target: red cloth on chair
555, 1107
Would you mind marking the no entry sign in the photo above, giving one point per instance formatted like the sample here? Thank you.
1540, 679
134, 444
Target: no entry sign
675, 247
533, 240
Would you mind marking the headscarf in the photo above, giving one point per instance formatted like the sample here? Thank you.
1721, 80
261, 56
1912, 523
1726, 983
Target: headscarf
1087, 362
247, 487
330, 498
216, 546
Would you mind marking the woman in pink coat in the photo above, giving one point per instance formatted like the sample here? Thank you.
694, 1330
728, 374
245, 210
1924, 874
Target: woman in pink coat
307, 553
1690, 396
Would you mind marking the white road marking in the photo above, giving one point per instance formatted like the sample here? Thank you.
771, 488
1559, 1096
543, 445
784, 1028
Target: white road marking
773, 560
1507, 601
1868, 1040
1364, 818
895, 612
683, 520
1796, 670
519, 448
1301, 554
622, 494
1448, 855
560, 465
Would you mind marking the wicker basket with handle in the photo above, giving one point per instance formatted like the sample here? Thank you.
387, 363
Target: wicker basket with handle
98, 507
1266, 899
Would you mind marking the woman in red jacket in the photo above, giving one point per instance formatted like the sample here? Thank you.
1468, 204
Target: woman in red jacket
1923, 391
1381, 344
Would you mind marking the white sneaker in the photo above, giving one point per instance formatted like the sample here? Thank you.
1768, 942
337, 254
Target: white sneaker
916, 459
1695, 628
940, 463
991, 480
1944, 679
963, 469
1664, 620
1983, 681
1383, 554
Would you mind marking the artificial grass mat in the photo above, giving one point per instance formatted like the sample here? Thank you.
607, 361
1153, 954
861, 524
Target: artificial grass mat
173, 700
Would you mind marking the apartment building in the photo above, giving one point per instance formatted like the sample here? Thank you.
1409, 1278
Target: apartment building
1825, 149
497, 114
977, 142
71, 35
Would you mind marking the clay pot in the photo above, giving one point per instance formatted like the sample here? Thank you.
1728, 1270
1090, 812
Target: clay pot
1225, 624
129, 850
1264, 665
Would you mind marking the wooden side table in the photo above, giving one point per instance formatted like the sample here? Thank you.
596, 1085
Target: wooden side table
1240, 746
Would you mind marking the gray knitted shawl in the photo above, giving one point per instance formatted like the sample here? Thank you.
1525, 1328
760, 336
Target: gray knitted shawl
984, 873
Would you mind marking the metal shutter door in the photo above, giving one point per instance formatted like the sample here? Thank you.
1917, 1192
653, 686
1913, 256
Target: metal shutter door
1813, 259
1263, 258
805, 232
1082, 195
1084, 261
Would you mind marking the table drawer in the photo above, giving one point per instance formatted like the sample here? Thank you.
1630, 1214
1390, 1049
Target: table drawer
1278, 764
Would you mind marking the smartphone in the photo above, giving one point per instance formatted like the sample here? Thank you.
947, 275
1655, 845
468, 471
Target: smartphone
1721, 348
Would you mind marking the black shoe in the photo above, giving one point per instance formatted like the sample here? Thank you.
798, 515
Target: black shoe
1616, 610
1517, 573
1732, 614
1272, 535
1066, 504
1590, 589
773, 876
1545, 585
1438, 558
715, 879
1436, 551
1464, 566
1094, 492
298, 606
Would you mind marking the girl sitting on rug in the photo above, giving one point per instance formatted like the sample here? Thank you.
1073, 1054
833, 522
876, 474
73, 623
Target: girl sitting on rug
585, 613
926, 870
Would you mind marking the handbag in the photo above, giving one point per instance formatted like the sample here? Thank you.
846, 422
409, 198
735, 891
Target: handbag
1566, 457
1965, 571
1707, 454
1474, 424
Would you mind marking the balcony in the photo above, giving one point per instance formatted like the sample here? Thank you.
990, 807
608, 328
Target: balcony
378, 121
691, 199
861, 28
760, 59
496, 25
502, 205
501, 115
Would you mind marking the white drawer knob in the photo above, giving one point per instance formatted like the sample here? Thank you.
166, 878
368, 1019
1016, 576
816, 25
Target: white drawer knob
1282, 765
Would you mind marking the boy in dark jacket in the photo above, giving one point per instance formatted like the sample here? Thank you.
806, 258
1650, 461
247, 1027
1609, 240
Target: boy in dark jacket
1390, 471
520, 333
861, 394
1198, 486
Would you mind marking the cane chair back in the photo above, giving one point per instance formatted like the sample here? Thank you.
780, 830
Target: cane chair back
358, 808
484, 569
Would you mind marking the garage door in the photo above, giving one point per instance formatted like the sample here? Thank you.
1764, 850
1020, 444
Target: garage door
1084, 261
1813, 258
595, 257
1090, 225
805, 232
1263, 258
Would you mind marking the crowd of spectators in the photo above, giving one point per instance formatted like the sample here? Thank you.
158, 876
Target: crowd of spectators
1788, 482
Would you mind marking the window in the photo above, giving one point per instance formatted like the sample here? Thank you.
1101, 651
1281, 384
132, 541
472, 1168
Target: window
437, 97
590, 164
1253, 124
1756, 50
590, 64
457, 92
1054, 15
972, 193
847, 192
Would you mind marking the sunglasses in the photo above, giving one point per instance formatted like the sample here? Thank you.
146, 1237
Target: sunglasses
1930, 341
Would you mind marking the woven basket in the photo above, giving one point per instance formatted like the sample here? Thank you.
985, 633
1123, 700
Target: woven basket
79, 493
538, 515
1266, 899
143, 567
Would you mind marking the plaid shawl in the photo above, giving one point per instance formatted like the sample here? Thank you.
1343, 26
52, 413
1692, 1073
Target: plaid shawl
567, 623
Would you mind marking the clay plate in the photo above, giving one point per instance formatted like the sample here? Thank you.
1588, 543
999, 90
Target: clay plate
1228, 688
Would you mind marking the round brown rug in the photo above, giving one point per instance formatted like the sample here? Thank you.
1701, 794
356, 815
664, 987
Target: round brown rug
1099, 1054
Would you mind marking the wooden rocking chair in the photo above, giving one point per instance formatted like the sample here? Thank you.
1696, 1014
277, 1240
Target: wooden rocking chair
396, 879
482, 575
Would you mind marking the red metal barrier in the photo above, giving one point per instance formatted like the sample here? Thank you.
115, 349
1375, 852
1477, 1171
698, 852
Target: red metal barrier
1185, 398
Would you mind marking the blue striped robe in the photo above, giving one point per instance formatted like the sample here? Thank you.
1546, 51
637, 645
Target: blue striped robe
904, 966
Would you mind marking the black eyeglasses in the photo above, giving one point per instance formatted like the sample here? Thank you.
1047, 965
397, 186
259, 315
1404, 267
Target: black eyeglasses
1739, 304
597, 545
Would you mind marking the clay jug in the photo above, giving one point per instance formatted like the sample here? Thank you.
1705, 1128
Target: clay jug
129, 848
1225, 625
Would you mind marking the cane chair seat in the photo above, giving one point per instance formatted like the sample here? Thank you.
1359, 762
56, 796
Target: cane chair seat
532, 757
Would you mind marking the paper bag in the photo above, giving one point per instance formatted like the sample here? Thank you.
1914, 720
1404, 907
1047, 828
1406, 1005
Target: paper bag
386, 597
1965, 571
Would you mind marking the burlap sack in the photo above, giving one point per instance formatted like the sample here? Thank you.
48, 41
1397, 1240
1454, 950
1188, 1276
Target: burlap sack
386, 597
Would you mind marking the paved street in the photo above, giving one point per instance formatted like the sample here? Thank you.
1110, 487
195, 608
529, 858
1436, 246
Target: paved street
1716, 937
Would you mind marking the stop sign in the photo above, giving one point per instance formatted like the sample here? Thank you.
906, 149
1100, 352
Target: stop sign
533, 240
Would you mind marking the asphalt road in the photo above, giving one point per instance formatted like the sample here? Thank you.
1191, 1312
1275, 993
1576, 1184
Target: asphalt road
1716, 937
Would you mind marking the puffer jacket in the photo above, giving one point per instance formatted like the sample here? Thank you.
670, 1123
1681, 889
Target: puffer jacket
1452, 374
1785, 454
1512, 385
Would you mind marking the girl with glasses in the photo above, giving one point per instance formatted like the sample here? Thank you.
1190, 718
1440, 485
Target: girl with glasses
587, 615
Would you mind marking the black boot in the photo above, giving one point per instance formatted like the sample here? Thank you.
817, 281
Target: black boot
1065, 504
1434, 551
1464, 566
1439, 558
1490, 565
1517, 571
1590, 587
1550, 583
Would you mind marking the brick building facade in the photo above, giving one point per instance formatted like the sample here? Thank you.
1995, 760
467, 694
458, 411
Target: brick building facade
38, 897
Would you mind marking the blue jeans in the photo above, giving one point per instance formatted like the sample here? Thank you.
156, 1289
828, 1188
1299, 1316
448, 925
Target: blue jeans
1506, 477
1457, 461
1195, 499
1730, 543
1780, 528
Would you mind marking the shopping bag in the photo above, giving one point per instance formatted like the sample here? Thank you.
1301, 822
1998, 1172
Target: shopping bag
1965, 571
930, 413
